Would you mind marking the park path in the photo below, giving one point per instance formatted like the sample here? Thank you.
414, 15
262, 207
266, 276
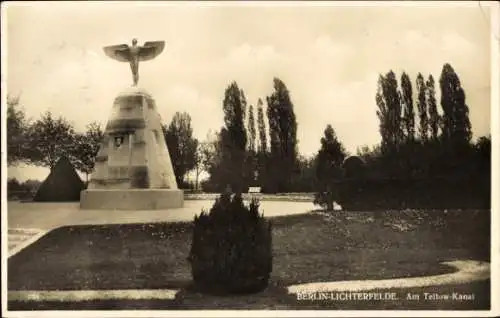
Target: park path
20, 238
27, 222
48, 216
468, 271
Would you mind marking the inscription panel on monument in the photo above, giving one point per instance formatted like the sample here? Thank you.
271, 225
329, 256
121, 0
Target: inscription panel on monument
119, 150
129, 102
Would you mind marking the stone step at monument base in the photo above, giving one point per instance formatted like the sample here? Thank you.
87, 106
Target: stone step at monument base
131, 199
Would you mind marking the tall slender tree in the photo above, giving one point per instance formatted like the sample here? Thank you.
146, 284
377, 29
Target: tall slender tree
252, 156
408, 112
383, 114
283, 135
234, 138
423, 129
456, 125
262, 150
389, 112
262, 147
252, 133
243, 105
434, 118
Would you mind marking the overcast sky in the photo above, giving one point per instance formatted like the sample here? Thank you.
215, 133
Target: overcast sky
329, 57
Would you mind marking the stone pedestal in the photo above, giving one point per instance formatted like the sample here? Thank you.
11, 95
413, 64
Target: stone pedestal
133, 170
131, 199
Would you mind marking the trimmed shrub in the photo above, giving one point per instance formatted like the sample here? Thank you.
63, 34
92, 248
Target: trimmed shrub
231, 250
63, 184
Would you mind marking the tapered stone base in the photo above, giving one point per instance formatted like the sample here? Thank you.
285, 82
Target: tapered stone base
131, 199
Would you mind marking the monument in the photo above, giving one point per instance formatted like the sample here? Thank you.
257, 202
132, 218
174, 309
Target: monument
133, 170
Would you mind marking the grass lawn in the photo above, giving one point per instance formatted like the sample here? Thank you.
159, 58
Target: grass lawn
307, 248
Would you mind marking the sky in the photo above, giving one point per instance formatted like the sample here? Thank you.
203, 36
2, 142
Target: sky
328, 56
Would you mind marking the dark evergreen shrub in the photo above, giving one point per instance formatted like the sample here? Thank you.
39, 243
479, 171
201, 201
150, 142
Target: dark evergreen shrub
62, 184
231, 251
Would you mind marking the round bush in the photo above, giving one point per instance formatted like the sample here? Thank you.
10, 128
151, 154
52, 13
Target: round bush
231, 250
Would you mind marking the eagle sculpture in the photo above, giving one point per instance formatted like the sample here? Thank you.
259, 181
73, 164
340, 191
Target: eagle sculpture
135, 54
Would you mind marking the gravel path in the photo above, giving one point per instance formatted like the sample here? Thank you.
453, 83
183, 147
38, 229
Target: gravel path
20, 238
49, 216
468, 271
89, 295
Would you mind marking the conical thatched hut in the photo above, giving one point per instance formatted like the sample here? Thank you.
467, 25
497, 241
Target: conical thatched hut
62, 185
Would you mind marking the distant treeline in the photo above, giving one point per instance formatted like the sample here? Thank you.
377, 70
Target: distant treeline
21, 190
426, 156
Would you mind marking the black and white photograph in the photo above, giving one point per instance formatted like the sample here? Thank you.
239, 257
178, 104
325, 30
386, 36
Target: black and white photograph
247, 158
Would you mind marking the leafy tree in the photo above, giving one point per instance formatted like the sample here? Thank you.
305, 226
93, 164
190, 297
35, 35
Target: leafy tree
13, 185
49, 139
408, 112
21, 190
456, 127
305, 180
32, 185
483, 150
423, 130
483, 145
198, 164
328, 166
207, 155
212, 162
17, 126
434, 118
330, 156
211, 151
367, 154
181, 145
86, 147
283, 136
